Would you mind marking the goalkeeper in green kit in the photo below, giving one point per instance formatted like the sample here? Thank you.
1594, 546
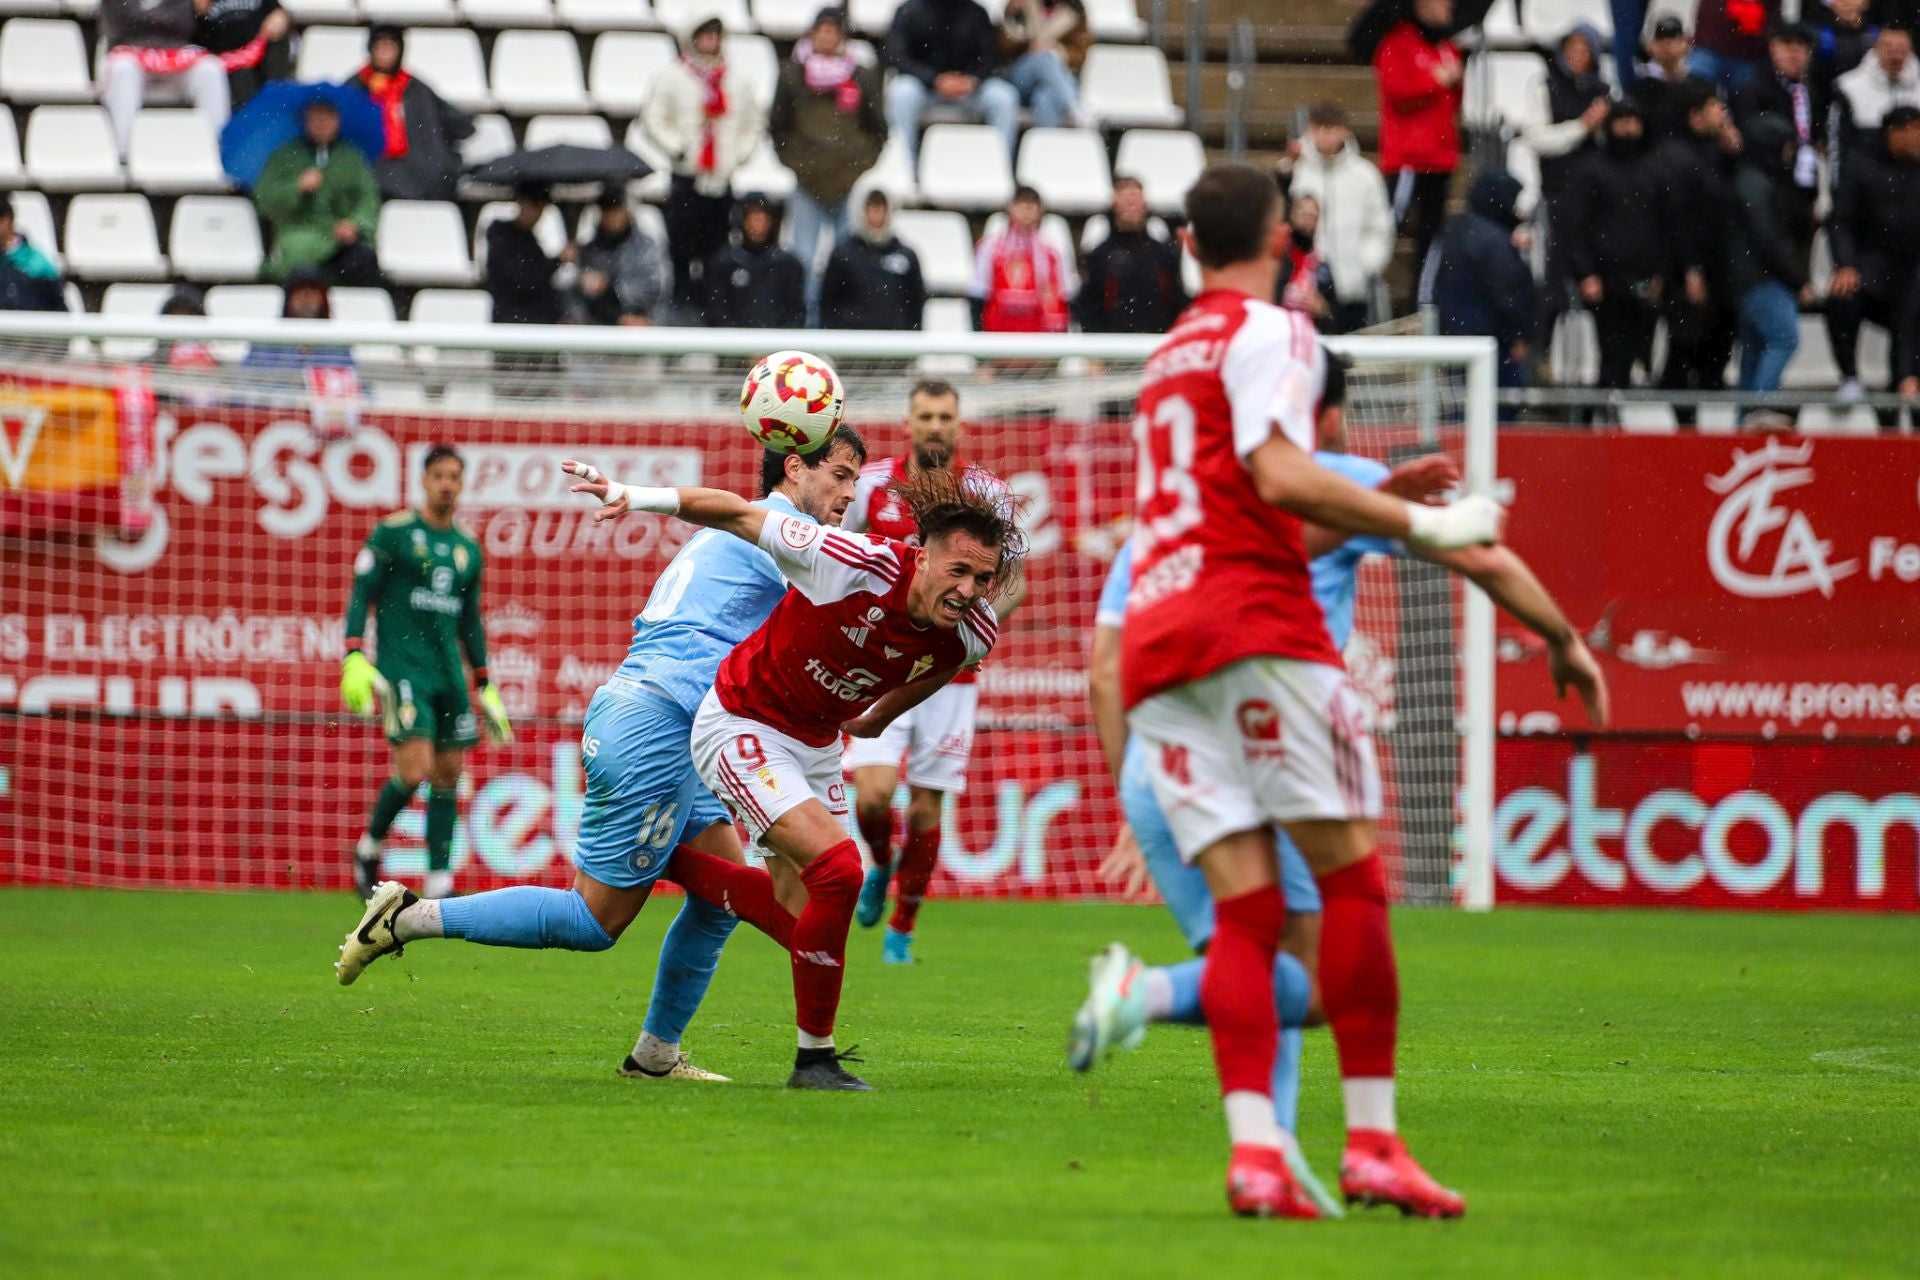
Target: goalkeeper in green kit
421, 576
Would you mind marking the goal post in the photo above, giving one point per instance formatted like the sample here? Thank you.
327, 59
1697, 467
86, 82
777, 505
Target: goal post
181, 501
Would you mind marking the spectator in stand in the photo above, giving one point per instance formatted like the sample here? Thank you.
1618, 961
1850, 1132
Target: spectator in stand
873, 279
188, 353
624, 276
828, 126
1616, 245
1843, 39
1305, 282
1022, 283
307, 298
703, 114
1356, 218
1765, 271
253, 39
1570, 105
1730, 40
753, 283
1786, 89
945, 52
522, 278
1419, 72
1665, 87
1889, 79
28, 279
1695, 171
318, 195
1875, 234
421, 160
1044, 44
1479, 283
1132, 279
155, 37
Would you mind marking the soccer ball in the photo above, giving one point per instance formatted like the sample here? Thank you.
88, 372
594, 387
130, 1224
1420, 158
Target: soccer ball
792, 402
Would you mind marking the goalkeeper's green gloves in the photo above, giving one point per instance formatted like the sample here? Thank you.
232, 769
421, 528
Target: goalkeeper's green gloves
499, 728
357, 681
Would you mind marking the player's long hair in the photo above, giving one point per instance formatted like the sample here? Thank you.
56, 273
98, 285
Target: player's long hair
944, 503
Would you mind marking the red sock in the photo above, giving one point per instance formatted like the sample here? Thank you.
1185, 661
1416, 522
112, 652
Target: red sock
820, 936
876, 828
1358, 981
745, 891
918, 857
1236, 989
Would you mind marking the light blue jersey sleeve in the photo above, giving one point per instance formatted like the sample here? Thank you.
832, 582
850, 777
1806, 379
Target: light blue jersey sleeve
1112, 609
1336, 575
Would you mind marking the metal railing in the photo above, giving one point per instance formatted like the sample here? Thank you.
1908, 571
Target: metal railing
1240, 61
1196, 58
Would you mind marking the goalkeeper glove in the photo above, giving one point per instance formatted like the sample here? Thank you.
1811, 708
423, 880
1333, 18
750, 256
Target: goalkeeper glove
499, 728
358, 679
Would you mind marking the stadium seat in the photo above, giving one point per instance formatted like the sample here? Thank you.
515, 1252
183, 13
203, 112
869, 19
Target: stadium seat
334, 53
621, 70
30, 8
1068, 167
309, 13
605, 15
1098, 228
577, 131
675, 15
43, 60
33, 218
654, 185
1812, 366
872, 17
367, 306
1499, 88
451, 306
1115, 20
13, 171
1545, 21
507, 13
889, 174
82, 9
763, 173
449, 61
550, 231
132, 302
1167, 162
946, 315
964, 166
757, 58
434, 13
424, 242
112, 237
535, 71
785, 19
492, 138
249, 301
172, 151
215, 238
1501, 26
944, 243
71, 149
1127, 85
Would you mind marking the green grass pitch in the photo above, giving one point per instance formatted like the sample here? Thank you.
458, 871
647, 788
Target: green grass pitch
185, 1091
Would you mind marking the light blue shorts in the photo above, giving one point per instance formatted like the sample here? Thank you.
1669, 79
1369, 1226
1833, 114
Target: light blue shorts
1183, 887
643, 796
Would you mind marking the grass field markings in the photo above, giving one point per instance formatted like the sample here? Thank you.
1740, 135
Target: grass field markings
1866, 1060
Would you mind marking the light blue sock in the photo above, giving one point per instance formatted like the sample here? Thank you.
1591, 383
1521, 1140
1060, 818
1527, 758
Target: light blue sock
1291, 992
688, 956
1185, 980
524, 916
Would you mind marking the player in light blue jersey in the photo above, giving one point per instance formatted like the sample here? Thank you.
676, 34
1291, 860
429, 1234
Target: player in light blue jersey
643, 793
1126, 995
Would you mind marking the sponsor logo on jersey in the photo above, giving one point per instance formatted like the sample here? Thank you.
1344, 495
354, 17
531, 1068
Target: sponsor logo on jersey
857, 634
889, 650
1175, 764
876, 613
837, 797
427, 601
1259, 722
851, 687
799, 534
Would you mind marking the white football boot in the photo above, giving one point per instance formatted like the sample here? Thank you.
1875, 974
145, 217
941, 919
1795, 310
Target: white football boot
373, 936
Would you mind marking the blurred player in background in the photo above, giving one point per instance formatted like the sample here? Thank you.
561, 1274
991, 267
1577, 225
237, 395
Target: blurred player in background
1236, 690
420, 574
643, 795
870, 630
936, 737
1127, 995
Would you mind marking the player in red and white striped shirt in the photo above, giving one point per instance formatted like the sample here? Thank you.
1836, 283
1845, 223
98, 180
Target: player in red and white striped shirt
869, 630
1236, 691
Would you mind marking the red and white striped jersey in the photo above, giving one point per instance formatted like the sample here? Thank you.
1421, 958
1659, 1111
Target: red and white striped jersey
1218, 574
841, 637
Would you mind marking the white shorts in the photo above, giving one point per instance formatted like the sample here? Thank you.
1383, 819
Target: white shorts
1263, 741
936, 738
760, 773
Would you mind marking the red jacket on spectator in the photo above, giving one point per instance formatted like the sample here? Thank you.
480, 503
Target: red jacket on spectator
1419, 116
1023, 282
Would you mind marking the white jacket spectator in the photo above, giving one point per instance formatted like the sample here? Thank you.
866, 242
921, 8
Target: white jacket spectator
155, 37
1355, 237
1889, 77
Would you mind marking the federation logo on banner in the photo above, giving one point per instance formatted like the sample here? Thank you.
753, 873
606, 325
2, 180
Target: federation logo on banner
1760, 547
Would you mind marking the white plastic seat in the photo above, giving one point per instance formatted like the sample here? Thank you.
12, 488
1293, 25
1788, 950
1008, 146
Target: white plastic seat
248, 301
13, 170
763, 173
578, 131
331, 54
1068, 167
492, 138
33, 218
1166, 161
889, 174
1097, 228
435, 13
964, 166
424, 242
1499, 88
452, 307
507, 13
1545, 21
621, 71
674, 15
33, 8
654, 185
112, 237
605, 15
43, 60
132, 302
215, 238
759, 62
872, 17
785, 19
550, 231
944, 244
172, 151
946, 315
1115, 20
71, 149
535, 71
309, 13
367, 306
1128, 85
1501, 26
450, 61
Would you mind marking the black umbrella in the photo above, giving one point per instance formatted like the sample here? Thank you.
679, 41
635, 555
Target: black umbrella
563, 165
1370, 26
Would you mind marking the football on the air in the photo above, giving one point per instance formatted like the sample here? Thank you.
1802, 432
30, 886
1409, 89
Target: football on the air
792, 402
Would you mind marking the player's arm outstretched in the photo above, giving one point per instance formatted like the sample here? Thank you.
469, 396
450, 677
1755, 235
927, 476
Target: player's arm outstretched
709, 508
1286, 476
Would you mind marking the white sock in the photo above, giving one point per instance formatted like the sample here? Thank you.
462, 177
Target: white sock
1369, 1103
1250, 1120
1157, 992
653, 1053
421, 920
815, 1042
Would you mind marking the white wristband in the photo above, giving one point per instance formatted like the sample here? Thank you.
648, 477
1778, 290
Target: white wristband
1472, 521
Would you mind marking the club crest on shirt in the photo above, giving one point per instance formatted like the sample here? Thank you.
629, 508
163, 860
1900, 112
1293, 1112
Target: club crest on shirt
920, 665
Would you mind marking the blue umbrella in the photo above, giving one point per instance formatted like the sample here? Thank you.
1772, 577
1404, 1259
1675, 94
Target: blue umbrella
276, 115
